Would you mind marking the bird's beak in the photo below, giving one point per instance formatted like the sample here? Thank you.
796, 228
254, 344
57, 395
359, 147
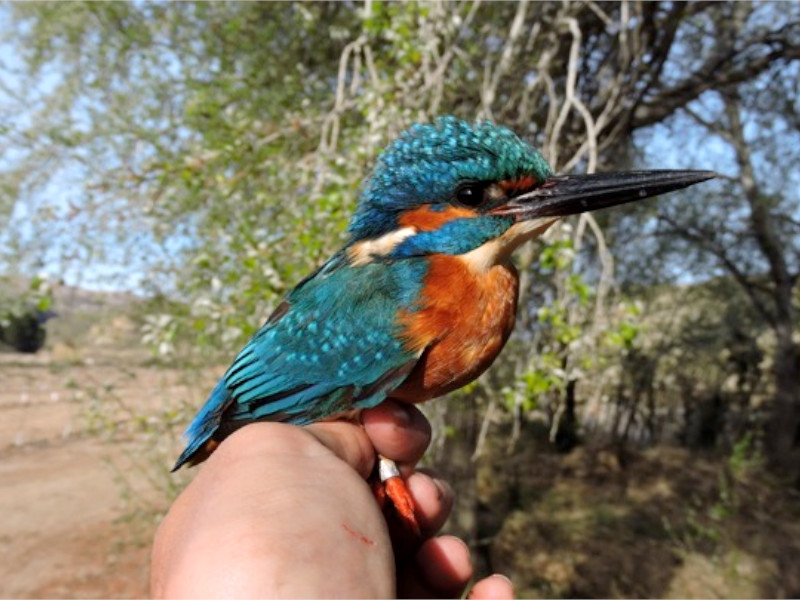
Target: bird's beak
563, 195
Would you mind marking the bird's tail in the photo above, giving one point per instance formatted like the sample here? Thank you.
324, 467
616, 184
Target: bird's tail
199, 442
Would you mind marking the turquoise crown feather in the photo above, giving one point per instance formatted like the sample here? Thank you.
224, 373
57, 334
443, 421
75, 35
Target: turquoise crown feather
428, 161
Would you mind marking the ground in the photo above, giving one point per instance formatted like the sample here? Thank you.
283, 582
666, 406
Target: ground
77, 513
657, 523
87, 441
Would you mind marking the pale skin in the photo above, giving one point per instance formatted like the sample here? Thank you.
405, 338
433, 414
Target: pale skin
283, 511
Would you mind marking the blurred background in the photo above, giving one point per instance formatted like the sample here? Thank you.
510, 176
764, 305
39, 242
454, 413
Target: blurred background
169, 170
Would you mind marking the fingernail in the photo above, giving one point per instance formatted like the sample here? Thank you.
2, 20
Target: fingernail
401, 413
504, 578
443, 488
491, 593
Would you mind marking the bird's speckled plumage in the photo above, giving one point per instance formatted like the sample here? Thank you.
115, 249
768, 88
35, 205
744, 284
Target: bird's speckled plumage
333, 345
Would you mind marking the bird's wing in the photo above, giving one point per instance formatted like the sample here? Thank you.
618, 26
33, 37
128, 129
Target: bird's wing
333, 345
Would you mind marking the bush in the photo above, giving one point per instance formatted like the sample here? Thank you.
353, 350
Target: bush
25, 332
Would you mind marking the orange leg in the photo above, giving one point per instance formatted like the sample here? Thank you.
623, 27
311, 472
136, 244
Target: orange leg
393, 489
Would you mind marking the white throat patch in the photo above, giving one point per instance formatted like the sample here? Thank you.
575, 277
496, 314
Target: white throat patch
499, 249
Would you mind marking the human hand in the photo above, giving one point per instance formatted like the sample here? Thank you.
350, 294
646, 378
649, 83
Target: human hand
285, 511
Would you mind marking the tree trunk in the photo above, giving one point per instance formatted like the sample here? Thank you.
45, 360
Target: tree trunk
459, 469
783, 426
783, 423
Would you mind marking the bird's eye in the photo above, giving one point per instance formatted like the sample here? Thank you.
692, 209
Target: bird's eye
471, 194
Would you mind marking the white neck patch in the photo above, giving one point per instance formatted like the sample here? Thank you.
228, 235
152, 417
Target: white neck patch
500, 249
362, 253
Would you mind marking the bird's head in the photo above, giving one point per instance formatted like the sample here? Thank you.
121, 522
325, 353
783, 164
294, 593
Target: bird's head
452, 187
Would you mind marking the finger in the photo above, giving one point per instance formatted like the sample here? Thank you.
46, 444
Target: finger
444, 563
398, 431
348, 441
496, 587
433, 500
441, 569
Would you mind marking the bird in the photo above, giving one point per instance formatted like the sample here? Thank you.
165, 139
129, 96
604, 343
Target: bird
422, 297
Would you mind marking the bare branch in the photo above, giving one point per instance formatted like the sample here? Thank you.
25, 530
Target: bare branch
761, 219
704, 242
711, 76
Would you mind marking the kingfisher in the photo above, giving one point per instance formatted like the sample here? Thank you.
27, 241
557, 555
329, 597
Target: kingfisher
423, 295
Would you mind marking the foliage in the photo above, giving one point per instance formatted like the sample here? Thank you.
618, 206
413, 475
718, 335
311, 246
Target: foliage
24, 312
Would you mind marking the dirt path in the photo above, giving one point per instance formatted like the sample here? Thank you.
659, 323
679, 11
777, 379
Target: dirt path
62, 531
58, 536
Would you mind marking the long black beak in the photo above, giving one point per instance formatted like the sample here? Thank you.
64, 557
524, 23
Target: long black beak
563, 195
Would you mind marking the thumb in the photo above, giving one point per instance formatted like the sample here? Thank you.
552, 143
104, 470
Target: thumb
348, 441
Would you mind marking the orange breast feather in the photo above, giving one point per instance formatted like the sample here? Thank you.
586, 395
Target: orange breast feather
463, 321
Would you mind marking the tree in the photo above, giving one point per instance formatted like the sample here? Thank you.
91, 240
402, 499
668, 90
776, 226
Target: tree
752, 236
220, 147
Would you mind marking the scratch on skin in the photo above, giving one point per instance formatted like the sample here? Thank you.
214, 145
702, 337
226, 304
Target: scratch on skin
359, 536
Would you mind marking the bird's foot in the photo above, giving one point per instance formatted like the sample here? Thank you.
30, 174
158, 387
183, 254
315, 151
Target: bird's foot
391, 490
